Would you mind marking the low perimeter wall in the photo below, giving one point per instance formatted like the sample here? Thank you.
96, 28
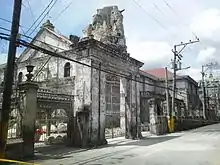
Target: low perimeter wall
187, 124
160, 126
14, 149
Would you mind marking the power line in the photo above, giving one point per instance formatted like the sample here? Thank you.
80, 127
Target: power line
39, 16
65, 50
5, 29
24, 27
63, 11
159, 9
177, 15
34, 39
150, 15
29, 8
5, 20
171, 8
121, 75
54, 47
43, 17
11, 22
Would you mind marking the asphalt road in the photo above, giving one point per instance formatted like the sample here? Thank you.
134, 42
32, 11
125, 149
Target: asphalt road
196, 147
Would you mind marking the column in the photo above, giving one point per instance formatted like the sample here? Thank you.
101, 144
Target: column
123, 94
153, 116
90, 91
71, 127
29, 116
48, 122
138, 106
98, 104
131, 105
82, 99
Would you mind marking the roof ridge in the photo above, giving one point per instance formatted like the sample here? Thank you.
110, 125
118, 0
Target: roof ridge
58, 35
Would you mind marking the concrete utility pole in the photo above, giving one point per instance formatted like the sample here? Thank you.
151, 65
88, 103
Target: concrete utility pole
204, 93
168, 101
167, 94
6, 104
208, 66
175, 68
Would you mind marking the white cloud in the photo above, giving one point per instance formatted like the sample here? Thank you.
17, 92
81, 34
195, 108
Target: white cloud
206, 23
150, 52
147, 41
206, 55
195, 73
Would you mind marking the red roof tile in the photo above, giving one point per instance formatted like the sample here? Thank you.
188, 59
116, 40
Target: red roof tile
159, 73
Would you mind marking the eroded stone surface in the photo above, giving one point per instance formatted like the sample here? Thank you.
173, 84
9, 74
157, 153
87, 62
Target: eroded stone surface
107, 26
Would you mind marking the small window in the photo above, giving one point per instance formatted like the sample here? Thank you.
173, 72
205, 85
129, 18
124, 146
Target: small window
20, 77
67, 70
41, 76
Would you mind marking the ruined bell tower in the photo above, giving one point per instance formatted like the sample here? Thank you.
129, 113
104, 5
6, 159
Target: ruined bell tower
107, 27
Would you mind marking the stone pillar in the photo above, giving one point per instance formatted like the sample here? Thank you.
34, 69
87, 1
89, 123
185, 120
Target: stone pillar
83, 127
90, 90
188, 104
153, 116
48, 122
71, 128
131, 105
98, 104
138, 106
123, 94
29, 116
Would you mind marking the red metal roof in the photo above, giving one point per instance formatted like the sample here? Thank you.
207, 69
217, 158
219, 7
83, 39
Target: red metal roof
159, 73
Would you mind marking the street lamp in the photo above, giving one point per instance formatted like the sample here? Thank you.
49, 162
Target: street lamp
30, 69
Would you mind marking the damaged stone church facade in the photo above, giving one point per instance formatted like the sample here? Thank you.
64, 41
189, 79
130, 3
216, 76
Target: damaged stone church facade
107, 85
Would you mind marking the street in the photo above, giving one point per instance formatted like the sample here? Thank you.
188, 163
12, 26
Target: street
195, 147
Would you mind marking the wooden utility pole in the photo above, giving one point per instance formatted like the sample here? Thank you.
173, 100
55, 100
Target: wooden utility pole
175, 68
6, 104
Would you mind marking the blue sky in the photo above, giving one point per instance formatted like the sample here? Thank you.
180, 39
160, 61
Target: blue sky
151, 30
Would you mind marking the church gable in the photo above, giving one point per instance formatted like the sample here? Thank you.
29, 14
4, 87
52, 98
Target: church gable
47, 39
28, 51
31, 54
37, 54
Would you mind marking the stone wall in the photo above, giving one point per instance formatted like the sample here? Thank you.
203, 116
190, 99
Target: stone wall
187, 124
64, 85
14, 149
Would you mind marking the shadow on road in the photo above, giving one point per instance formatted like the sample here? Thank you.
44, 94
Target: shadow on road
62, 152
54, 152
146, 141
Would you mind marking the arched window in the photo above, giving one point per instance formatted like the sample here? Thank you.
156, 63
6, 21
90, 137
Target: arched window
67, 70
20, 77
41, 76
